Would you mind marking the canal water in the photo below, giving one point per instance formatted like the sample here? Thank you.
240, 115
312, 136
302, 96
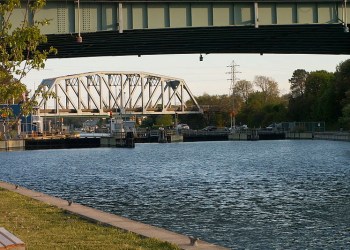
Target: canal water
238, 194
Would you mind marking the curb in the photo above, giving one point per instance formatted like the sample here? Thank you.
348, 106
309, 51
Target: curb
183, 241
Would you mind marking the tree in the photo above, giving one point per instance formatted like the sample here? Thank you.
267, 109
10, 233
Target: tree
259, 113
251, 112
345, 118
20, 53
164, 120
297, 107
217, 109
319, 95
148, 122
195, 121
268, 87
297, 82
243, 89
342, 86
312, 98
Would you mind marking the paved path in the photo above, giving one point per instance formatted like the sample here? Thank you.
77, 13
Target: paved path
117, 221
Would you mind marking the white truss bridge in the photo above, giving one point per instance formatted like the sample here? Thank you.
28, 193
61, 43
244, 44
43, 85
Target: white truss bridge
99, 93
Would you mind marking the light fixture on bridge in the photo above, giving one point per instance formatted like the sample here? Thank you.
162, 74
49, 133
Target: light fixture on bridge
345, 17
79, 38
200, 58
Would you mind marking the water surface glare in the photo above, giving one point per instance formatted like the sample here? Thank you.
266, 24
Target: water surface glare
242, 195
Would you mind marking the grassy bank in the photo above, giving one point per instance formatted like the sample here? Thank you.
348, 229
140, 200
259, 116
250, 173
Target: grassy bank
42, 226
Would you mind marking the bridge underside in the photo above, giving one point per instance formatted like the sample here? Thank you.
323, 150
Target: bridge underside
277, 39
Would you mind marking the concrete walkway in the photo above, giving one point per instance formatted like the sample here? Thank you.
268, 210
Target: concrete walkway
117, 221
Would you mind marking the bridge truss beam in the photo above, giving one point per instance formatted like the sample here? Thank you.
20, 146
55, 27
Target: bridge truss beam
99, 93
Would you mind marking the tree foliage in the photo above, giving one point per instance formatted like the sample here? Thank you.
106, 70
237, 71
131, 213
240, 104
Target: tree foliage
268, 88
342, 93
342, 85
217, 109
324, 98
158, 121
345, 118
319, 96
164, 120
20, 53
297, 83
19, 45
254, 108
314, 96
260, 112
243, 89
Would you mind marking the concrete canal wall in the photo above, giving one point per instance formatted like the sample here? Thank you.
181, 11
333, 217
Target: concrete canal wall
202, 137
176, 138
242, 137
117, 142
12, 144
333, 136
112, 142
297, 135
62, 143
155, 136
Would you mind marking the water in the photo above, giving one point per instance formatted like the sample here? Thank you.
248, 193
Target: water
242, 195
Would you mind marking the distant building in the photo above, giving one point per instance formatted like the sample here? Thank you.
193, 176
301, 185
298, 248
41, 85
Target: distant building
26, 124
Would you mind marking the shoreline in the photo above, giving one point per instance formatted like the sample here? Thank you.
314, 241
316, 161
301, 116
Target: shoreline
98, 216
85, 142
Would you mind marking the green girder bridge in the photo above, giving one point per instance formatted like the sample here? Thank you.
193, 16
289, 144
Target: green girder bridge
85, 28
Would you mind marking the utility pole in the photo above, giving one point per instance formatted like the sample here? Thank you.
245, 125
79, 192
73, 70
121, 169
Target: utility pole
233, 71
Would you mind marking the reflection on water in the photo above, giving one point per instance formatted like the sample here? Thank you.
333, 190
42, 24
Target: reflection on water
255, 195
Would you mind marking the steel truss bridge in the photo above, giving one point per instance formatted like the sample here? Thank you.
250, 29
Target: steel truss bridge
129, 93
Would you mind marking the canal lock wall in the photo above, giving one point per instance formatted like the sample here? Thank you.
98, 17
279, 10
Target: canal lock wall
11, 145
30, 144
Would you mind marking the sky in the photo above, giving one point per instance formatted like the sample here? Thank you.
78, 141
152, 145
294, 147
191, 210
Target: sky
202, 77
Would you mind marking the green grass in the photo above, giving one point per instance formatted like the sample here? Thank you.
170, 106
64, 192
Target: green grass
42, 226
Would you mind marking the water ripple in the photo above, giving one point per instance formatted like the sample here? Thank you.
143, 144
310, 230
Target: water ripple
243, 195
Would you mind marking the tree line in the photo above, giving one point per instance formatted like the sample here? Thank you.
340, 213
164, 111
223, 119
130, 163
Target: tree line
313, 96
